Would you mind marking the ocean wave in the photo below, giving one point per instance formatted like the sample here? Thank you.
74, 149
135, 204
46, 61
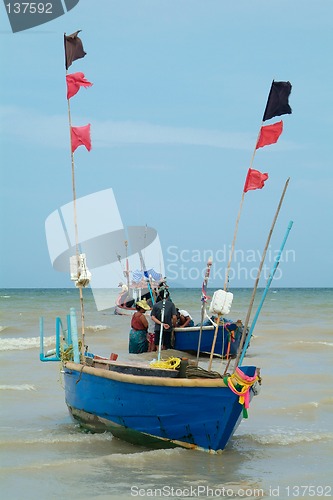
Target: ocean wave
290, 438
3, 328
309, 345
4, 296
20, 344
96, 328
116, 459
22, 387
302, 408
328, 400
65, 438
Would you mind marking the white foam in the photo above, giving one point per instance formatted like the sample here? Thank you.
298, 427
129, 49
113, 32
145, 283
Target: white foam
21, 343
312, 343
96, 328
76, 437
22, 387
290, 438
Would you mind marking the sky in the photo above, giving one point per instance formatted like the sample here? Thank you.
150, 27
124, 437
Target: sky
179, 90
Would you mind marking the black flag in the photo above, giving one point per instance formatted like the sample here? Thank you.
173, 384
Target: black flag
277, 103
73, 48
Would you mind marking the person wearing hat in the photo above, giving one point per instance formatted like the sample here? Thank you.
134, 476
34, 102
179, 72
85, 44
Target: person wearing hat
138, 341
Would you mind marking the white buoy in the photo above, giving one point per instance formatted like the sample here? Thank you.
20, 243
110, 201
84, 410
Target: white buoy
221, 302
79, 270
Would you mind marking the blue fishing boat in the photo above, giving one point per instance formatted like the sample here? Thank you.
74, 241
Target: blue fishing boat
227, 342
146, 403
164, 403
154, 410
157, 404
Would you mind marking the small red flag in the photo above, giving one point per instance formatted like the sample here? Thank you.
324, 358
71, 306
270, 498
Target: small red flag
81, 137
269, 134
254, 180
74, 82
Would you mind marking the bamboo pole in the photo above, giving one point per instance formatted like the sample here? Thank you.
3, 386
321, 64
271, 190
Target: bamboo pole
160, 343
203, 301
233, 243
226, 281
270, 278
242, 200
76, 225
127, 273
258, 275
214, 342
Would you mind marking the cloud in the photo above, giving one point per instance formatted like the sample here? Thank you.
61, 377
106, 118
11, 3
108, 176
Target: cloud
112, 133
29, 126
52, 131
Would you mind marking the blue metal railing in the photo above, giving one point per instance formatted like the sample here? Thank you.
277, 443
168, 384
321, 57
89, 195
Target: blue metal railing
69, 336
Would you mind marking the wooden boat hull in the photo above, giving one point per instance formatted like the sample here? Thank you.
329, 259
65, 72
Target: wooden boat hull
154, 411
187, 339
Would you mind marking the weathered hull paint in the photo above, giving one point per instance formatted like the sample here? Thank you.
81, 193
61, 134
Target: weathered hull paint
153, 411
187, 339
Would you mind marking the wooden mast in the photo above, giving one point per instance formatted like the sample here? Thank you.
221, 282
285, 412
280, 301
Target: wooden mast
258, 276
226, 281
77, 251
127, 272
78, 283
203, 301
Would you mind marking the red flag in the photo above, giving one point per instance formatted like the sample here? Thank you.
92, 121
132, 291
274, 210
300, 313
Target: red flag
74, 82
254, 180
269, 134
81, 137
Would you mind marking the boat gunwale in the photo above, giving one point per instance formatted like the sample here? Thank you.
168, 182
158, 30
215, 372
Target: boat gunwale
195, 328
145, 380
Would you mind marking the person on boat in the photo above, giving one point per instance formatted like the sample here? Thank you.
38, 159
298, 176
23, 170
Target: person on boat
184, 318
167, 310
123, 293
138, 336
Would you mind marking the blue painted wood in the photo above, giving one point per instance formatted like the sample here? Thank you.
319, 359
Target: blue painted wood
188, 416
187, 339
74, 335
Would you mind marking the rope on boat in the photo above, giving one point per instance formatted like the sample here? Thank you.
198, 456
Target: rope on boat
169, 364
198, 372
68, 353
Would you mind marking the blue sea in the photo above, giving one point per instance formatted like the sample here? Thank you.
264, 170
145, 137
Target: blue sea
283, 450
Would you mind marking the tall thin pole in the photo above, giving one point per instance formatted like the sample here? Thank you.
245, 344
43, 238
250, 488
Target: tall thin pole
270, 278
203, 301
75, 225
233, 242
145, 273
160, 342
258, 276
226, 280
127, 267
214, 342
